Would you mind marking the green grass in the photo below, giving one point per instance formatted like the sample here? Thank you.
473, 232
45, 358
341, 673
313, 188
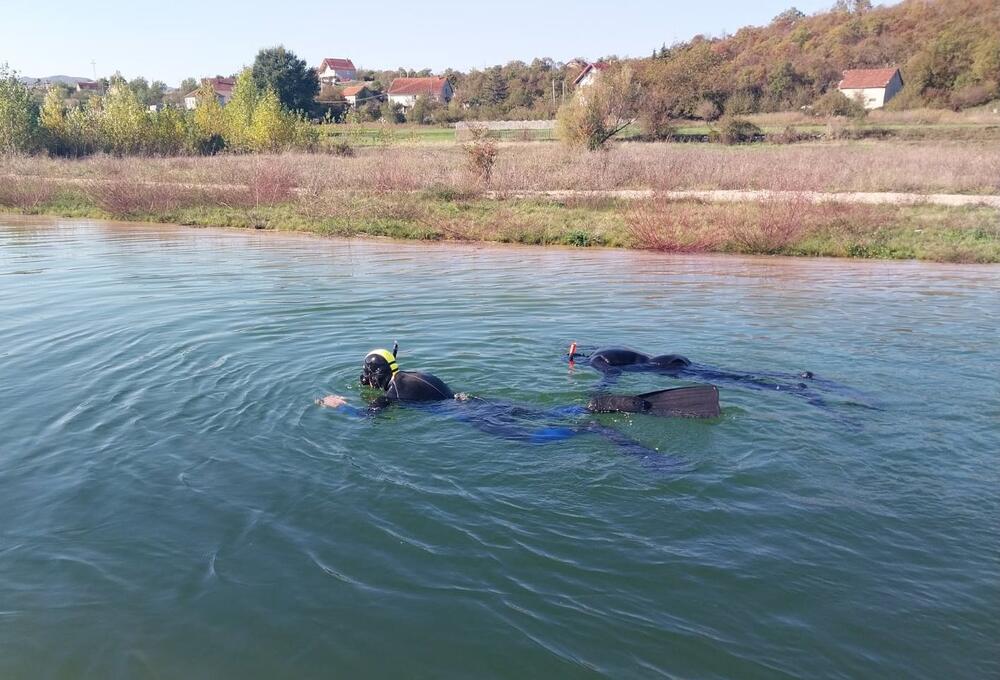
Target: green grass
376, 135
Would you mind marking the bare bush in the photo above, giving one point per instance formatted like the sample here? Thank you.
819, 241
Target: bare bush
668, 226
268, 180
25, 193
481, 155
765, 227
126, 196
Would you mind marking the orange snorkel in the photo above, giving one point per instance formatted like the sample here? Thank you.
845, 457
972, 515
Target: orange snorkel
572, 352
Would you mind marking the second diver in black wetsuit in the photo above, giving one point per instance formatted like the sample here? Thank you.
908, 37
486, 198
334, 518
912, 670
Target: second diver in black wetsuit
380, 370
612, 361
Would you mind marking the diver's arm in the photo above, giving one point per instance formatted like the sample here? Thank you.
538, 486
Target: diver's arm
337, 402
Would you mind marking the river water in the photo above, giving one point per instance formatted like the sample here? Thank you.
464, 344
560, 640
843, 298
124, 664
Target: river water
175, 505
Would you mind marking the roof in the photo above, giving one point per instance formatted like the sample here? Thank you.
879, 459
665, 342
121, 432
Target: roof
861, 78
596, 66
222, 86
338, 64
417, 86
353, 90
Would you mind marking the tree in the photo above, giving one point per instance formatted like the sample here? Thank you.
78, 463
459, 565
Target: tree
209, 122
423, 110
53, 122
123, 123
496, 87
18, 114
789, 16
601, 110
392, 113
295, 84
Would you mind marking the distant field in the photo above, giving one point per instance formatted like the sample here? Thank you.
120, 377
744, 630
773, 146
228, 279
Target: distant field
376, 135
918, 125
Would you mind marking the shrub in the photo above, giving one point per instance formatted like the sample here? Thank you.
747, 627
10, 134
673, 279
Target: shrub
341, 148
481, 155
25, 193
129, 196
972, 95
791, 135
268, 180
168, 133
835, 103
707, 110
766, 227
660, 224
736, 131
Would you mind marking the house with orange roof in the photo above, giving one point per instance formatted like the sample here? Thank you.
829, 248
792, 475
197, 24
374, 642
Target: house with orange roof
873, 87
404, 91
357, 94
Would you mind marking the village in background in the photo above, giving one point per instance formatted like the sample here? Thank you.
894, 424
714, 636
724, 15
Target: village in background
860, 131
851, 59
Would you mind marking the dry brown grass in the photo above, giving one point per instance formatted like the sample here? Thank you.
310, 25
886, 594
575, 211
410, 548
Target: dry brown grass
926, 167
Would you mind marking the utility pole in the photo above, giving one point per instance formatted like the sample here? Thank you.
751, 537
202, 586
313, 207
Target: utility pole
93, 66
553, 93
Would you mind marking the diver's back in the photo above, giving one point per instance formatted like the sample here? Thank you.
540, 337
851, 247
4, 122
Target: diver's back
415, 386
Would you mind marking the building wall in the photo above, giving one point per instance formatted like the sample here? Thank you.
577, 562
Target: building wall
337, 75
895, 85
191, 102
588, 79
404, 100
408, 100
875, 97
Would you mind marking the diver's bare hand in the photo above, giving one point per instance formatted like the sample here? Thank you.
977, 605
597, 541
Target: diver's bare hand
331, 401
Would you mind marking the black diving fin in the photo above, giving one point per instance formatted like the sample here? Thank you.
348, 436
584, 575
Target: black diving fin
696, 401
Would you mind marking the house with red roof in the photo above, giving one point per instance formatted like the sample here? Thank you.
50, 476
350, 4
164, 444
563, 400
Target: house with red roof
222, 87
873, 87
590, 73
404, 91
334, 70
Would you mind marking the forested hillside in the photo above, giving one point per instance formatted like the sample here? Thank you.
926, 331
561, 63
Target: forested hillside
948, 51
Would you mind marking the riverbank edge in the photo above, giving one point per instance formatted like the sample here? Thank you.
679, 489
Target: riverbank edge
966, 234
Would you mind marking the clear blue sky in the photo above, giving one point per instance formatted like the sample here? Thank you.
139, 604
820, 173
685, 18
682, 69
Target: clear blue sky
174, 39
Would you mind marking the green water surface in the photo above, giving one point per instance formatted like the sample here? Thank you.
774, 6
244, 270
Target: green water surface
174, 505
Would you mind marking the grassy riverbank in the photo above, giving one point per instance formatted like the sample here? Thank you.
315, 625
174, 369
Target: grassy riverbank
778, 227
423, 193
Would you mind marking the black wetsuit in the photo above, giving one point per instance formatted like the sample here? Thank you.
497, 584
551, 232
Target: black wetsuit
517, 423
612, 361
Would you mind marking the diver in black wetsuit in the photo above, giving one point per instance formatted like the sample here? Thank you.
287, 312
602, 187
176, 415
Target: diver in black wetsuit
613, 361
381, 371
509, 421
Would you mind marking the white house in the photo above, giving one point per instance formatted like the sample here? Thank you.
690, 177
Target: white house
335, 70
223, 88
590, 73
873, 87
404, 91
